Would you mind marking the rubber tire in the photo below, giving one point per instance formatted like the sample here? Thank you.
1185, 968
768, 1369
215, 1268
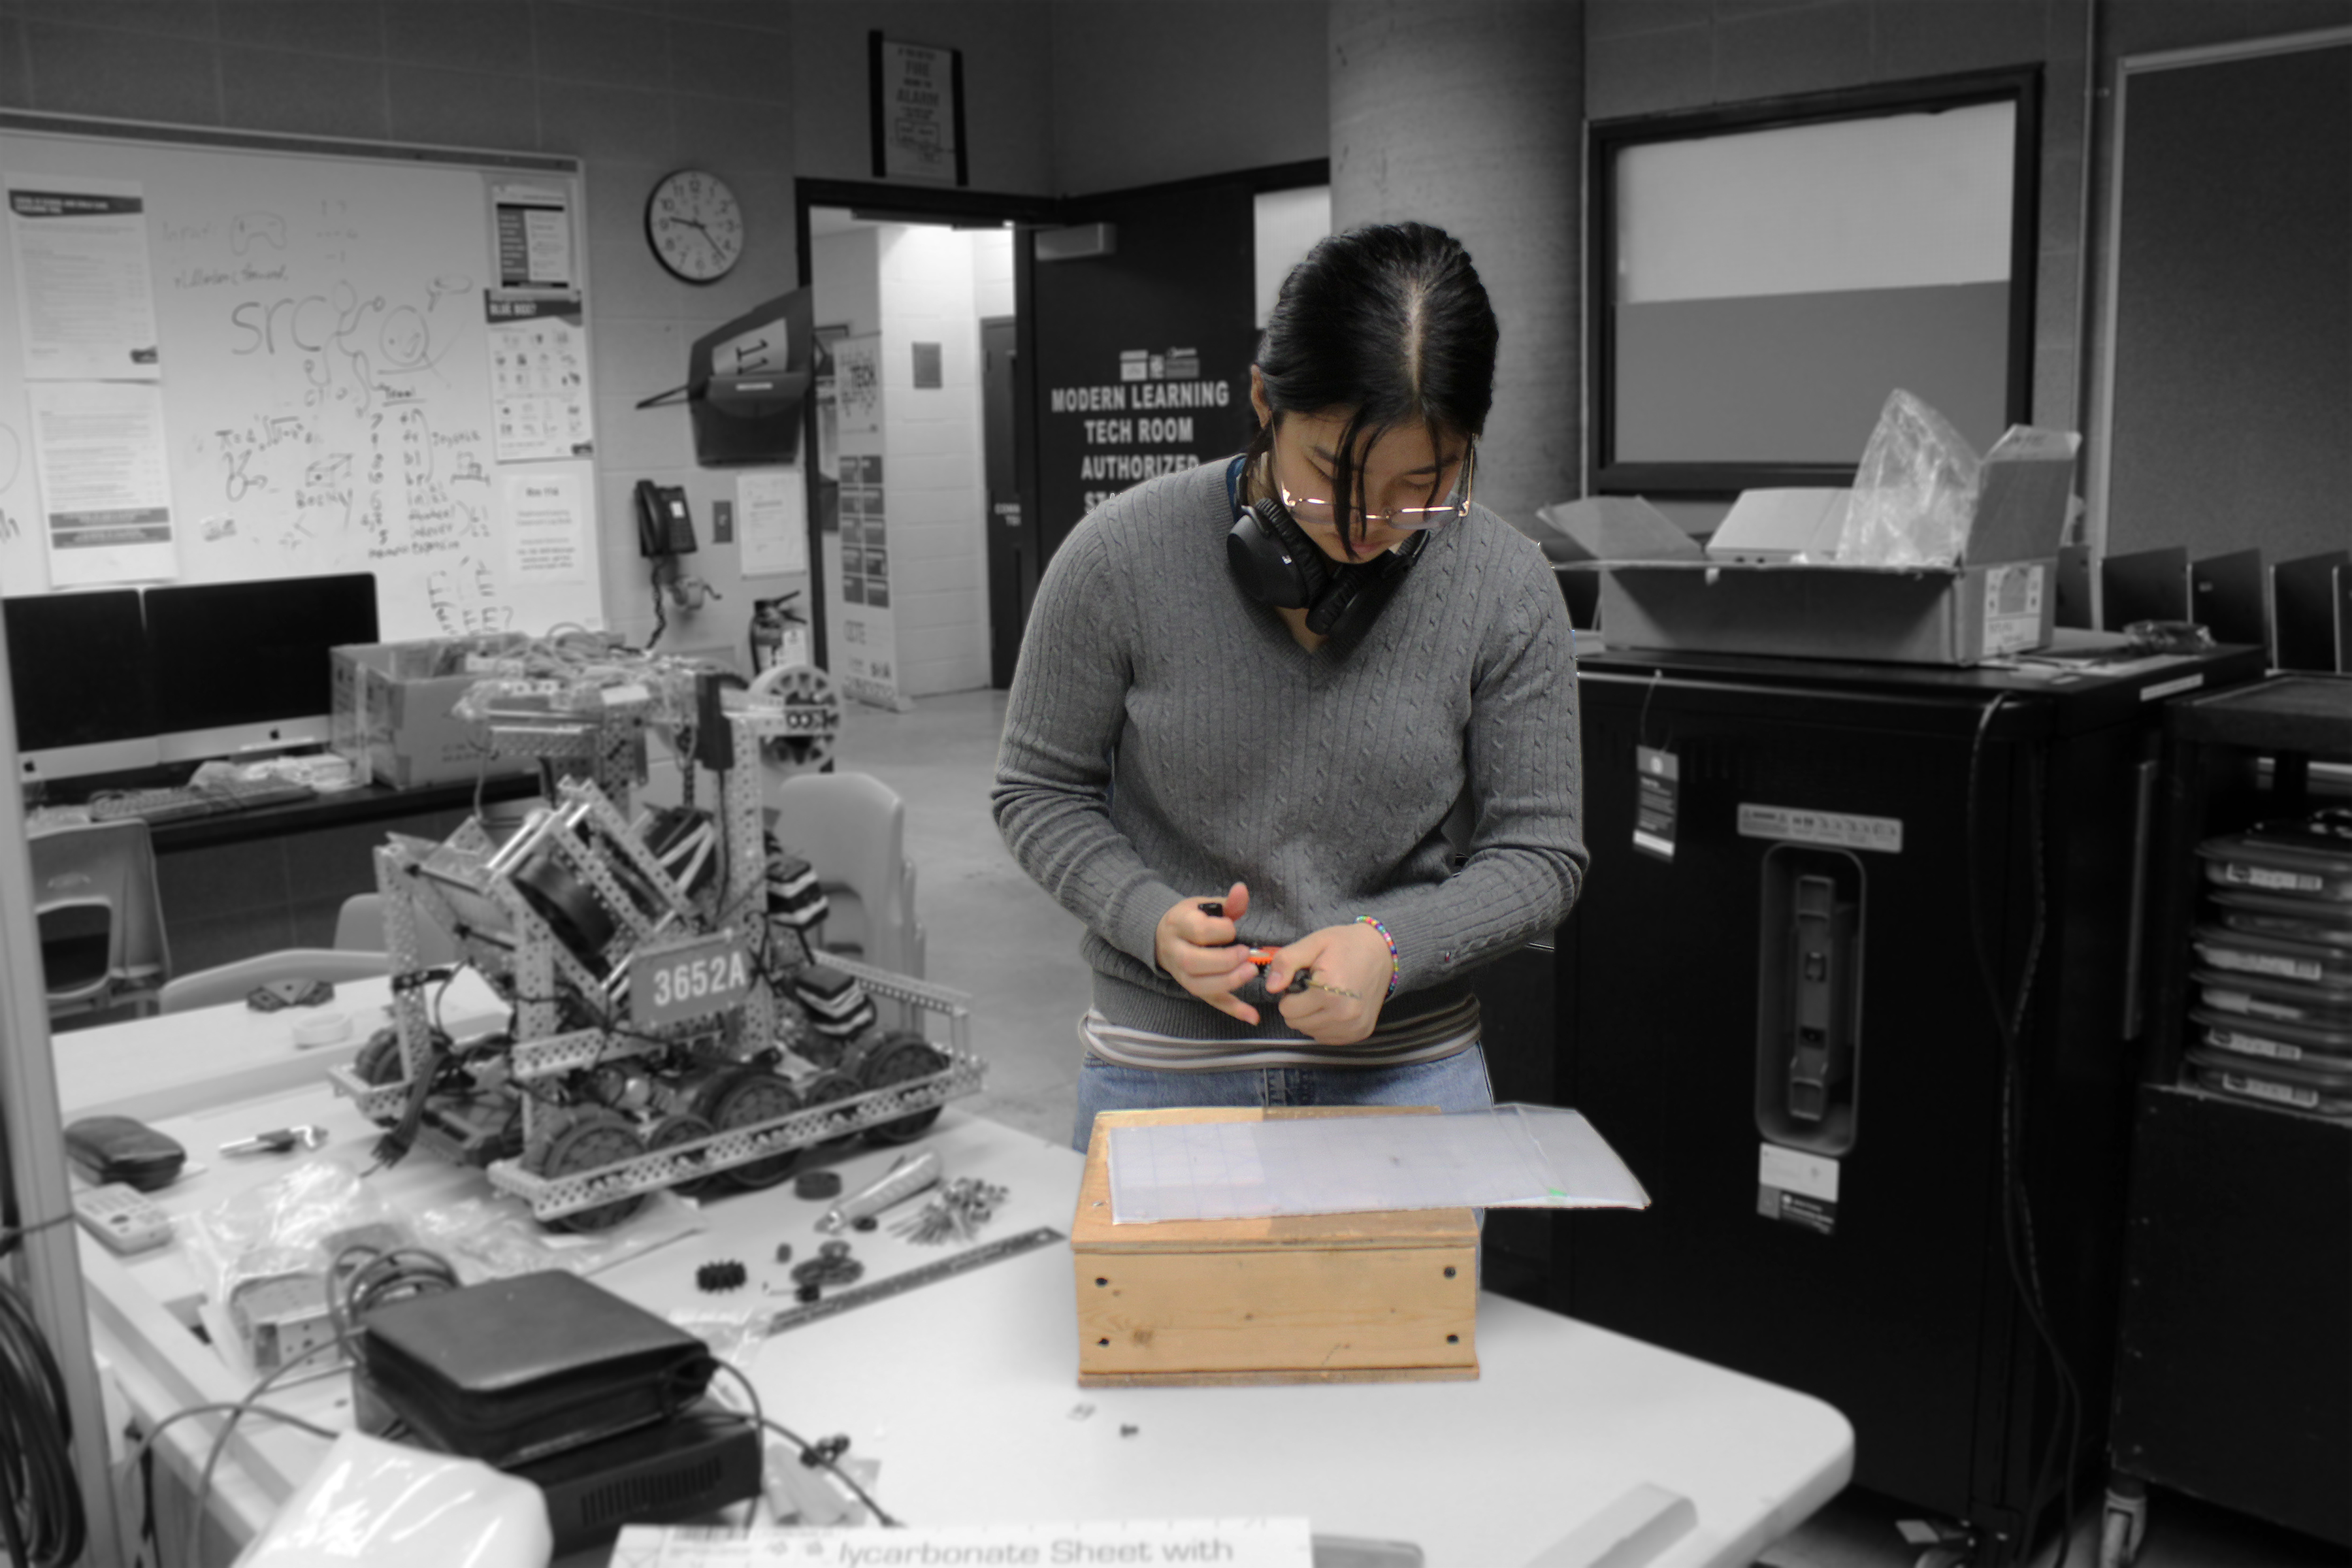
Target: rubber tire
683, 1127
596, 1133
827, 1088
903, 1057
750, 1099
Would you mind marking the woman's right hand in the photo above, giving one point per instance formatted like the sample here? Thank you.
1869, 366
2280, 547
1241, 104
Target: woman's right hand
1198, 948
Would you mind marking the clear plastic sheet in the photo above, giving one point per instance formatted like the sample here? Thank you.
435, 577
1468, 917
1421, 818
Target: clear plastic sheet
1914, 494
1506, 1156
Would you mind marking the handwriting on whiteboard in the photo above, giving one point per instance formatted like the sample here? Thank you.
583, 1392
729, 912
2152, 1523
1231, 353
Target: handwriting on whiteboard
356, 433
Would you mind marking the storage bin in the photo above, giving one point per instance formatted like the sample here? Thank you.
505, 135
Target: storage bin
1293, 1298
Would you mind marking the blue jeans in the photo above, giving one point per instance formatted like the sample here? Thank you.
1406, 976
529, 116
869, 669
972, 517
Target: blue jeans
1457, 1082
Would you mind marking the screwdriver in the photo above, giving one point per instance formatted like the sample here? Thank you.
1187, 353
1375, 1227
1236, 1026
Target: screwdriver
1305, 979
277, 1140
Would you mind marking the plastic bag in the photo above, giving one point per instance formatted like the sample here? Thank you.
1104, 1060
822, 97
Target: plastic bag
495, 1237
264, 1256
1914, 494
392, 1506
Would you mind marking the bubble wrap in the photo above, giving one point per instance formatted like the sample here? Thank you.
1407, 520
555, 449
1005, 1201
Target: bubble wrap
1915, 493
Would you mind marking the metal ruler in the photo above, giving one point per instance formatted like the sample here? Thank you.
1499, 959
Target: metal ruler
963, 1262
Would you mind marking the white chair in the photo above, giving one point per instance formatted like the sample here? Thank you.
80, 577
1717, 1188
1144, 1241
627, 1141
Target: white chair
100, 914
234, 982
359, 928
851, 827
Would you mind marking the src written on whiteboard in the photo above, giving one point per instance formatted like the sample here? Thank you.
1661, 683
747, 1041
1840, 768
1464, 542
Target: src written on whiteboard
346, 367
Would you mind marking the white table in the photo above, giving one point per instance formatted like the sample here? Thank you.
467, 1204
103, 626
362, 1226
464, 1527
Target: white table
965, 1390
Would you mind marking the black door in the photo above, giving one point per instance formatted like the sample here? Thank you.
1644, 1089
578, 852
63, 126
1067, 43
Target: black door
1143, 353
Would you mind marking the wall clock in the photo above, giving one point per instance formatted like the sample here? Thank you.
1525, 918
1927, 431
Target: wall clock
695, 225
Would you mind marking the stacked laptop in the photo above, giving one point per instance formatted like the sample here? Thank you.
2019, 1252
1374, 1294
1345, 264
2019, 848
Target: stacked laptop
2273, 1009
597, 1402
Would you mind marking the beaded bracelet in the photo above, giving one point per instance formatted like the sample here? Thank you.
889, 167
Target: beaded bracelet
1396, 965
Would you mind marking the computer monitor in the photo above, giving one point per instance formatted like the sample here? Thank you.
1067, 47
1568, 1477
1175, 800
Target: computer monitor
79, 674
243, 668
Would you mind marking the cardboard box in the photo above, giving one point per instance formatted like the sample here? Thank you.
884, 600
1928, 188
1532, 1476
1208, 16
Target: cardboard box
1750, 594
392, 716
1347, 1298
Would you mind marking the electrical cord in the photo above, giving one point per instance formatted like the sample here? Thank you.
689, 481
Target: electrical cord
235, 1413
361, 1276
812, 1455
142, 1456
2020, 1250
383, 1275
41, 1518
12, 1234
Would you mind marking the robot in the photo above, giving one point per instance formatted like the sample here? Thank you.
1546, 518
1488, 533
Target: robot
671, 1023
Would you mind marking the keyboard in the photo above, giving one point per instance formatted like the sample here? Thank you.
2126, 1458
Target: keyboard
173, 802
243, 794
164, 805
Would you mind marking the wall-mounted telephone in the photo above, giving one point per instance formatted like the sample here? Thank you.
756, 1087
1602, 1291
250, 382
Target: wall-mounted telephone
664, 526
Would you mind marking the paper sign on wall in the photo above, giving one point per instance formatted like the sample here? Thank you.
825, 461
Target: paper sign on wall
106, 483
918, 121
544, 529
773, 508
85, 291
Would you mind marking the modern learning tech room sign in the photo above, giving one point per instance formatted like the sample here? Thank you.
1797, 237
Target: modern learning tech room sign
1160, 415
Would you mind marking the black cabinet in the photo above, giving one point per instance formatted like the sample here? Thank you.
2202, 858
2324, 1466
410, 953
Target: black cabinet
2233, 1372
1519, 1024
1872, 1018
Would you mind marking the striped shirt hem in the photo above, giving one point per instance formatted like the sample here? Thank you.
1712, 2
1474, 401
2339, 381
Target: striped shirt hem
1431, 1038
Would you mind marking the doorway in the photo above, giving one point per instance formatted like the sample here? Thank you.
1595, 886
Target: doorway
1152, 314
902, 527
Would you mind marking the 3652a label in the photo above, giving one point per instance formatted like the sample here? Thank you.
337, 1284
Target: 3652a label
688, 981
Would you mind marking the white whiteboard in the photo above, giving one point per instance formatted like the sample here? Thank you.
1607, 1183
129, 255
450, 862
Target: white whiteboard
326, 380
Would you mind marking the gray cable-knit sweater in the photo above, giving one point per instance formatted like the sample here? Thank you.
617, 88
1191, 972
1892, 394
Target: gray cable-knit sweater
1166, 737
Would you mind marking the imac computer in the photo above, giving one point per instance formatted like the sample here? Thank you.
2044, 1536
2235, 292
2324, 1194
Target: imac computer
243, 668
80, 673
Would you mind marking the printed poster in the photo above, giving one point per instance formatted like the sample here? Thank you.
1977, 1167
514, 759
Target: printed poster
106, 484
85, 291
857, 391
538, 377
865, 650
771, 510
533, 224
918, 111
546, 529
104, 481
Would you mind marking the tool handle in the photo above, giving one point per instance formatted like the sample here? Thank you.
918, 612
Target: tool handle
894, 1187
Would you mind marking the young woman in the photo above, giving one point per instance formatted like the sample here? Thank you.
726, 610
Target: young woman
1251, 697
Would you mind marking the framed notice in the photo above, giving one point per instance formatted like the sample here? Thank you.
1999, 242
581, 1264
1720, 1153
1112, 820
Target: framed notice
917, 103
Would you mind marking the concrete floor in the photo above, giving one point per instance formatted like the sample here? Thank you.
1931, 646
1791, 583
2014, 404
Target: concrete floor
995, 934
990, 931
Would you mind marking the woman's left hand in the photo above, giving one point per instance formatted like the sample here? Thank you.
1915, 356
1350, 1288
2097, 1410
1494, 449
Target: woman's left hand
1342, 1003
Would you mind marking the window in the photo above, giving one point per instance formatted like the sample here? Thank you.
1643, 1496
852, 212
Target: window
1765, 274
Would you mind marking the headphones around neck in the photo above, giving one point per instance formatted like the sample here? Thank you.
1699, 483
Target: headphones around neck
1277, 563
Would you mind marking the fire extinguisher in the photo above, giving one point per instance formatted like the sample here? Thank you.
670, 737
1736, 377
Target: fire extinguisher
773, 621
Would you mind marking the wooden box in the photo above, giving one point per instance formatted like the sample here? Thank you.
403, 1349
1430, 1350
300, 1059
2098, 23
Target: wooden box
1343, 1298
